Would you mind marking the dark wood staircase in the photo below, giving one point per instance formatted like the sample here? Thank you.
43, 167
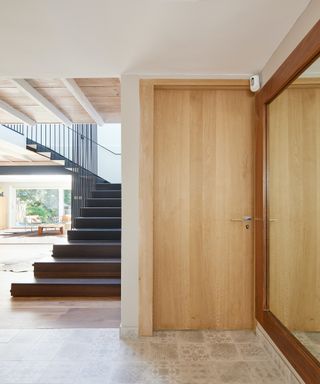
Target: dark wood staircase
89, 265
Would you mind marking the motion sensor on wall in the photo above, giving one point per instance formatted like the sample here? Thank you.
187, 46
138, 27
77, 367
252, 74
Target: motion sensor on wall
254, 83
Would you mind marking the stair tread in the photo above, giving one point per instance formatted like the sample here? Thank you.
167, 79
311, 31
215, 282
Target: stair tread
97, 242
52, 260
95, 230
108, 184
70, 281
98, 217
100, 208
104, 198
90, 243
106, 190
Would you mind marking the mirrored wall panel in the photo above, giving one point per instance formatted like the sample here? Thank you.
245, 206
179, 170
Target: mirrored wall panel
294, 208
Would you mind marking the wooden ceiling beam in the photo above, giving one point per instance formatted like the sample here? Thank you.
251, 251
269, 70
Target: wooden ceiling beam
76, 91
15, 113
25, 87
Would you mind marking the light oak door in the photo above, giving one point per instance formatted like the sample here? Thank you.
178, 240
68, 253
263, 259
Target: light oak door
203, 183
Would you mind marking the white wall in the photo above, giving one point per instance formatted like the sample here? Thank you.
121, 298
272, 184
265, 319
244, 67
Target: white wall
130, 116
302, 26
11, 139
109, 164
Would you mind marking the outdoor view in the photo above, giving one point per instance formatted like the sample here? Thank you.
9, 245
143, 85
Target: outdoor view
35, 206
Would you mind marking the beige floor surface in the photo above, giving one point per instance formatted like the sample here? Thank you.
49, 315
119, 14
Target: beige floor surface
92, 356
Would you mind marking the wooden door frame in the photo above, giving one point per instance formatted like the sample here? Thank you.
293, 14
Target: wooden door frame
307, 366
146, 172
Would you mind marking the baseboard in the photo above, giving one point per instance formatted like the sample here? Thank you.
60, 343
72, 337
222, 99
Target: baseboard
290, 374
128, 332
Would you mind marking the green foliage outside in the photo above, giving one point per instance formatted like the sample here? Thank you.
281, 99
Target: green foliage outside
40, 202
67, 197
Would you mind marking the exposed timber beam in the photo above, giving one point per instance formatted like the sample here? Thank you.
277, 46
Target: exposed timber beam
76, 91
25, 87
15, 113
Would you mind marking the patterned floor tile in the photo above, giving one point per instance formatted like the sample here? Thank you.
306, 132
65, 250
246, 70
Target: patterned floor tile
244, 336
224, 352
160, 372
314, 337
99, 356
264, 372
164, 337
252, 351
195, 373
190, 336
233, 372
128, 373
193, 352
163, 351
219, 337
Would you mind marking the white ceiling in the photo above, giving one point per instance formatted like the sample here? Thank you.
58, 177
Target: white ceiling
84, 38
63, 179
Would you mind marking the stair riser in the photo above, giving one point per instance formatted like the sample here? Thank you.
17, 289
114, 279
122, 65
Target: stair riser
94, 235
86, 251
100, 212
105, 186
77, 270
106, 194
93, 202
97, 222
65, 290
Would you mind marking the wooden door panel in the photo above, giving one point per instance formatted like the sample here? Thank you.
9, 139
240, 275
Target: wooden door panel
203, 262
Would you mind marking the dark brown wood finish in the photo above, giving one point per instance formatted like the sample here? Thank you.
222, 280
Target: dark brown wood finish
301, 359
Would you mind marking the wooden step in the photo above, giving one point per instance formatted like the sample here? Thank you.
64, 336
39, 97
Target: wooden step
95, 250
97, 222
103, 202
32, 147
77, 268
95, 234
67, 288
100, 212
107, 186
106, 193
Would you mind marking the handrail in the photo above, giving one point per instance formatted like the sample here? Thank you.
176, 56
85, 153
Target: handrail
93, 141
19, 128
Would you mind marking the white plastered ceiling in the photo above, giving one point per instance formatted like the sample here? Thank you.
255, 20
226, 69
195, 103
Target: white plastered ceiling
78, 38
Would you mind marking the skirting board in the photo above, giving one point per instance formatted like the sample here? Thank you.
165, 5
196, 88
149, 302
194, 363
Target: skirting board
128, 332
291, 376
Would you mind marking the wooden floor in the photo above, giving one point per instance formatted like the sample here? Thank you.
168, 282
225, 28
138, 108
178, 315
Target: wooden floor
53, 312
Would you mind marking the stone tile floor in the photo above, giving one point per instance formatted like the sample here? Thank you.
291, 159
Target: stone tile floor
92, 356
311, 340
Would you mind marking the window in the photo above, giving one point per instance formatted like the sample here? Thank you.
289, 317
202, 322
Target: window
34, 206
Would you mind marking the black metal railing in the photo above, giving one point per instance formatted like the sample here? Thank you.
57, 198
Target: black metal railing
19, 128
85, 160
78, 147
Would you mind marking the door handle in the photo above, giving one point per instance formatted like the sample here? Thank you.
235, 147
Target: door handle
244, 218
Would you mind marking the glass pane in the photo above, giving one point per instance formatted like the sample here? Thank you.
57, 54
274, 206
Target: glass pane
294, 208
35, 206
